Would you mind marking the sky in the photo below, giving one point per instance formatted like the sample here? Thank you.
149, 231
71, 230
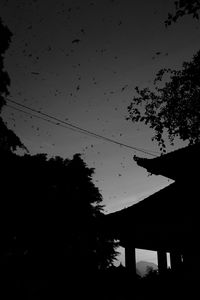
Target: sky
80, 61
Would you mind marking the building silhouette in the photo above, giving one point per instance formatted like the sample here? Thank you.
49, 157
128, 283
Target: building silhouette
166, 221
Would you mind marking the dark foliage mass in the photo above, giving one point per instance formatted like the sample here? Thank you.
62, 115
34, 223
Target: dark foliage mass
182, 8
172, 104
8, 139
50, 214
4, 78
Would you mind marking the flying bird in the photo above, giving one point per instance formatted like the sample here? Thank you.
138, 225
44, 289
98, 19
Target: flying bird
124, 87
76, 41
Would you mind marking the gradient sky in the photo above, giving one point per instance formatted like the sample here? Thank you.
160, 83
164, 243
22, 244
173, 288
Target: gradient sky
80, 61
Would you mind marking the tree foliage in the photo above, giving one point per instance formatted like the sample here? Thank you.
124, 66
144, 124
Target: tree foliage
172, 105
182, 8
50, 214
8, 139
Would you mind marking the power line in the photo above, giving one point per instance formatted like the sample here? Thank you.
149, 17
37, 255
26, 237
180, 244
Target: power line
71, 126
41, 118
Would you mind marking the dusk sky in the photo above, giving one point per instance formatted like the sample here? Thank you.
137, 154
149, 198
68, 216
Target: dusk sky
79, 61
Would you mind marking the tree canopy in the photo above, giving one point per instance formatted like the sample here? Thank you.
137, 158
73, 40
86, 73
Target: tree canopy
172, 105
8, 139
52, 210
182, 8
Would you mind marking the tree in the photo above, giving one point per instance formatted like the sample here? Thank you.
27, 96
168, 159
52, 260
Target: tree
182, 8
172, 106
51, 213
100, 249
8, 139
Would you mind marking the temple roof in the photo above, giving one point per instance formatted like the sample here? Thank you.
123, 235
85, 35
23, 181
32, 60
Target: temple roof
168, 205
174, 165
167, 219
164, 219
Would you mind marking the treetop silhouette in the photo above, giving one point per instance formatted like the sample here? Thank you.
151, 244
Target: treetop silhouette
182, 8
172, 106
53, 210
8, 139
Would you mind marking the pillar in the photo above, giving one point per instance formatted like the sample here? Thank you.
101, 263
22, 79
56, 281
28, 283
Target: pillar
130, 259
176, 262
162, 262
191, 264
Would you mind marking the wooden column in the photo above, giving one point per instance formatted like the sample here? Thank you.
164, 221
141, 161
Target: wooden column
130, 259
162, 262
176, 261
191, 265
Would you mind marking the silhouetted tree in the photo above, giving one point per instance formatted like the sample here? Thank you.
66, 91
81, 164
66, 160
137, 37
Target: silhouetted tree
50, 215
8, 139
95, 249
172, 106
182, 8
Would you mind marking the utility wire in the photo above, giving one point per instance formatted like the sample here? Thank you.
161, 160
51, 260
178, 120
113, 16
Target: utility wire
41, 118
72, 126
